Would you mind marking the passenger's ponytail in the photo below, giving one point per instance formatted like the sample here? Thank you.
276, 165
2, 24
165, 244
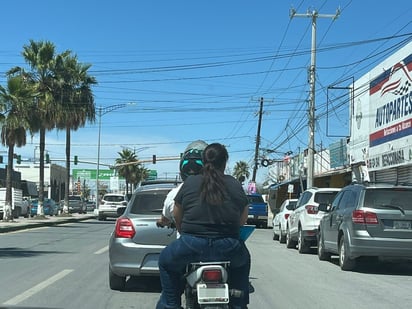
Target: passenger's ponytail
213, 189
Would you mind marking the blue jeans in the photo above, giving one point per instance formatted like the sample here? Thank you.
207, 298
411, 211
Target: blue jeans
186, 249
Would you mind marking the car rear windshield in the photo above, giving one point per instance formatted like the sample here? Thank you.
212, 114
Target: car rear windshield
114, 198
291, 205
255, 199
325, 197
149, 202
75, 198
384, 198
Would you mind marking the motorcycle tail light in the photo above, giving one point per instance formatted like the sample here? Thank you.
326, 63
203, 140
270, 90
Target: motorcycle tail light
212, 275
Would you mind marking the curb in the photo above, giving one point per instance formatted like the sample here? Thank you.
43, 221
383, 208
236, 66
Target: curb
52, 221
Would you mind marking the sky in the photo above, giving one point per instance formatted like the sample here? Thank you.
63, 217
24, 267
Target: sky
171, 72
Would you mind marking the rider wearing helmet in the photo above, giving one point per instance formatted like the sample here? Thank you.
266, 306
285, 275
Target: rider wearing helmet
190, 164
209, 210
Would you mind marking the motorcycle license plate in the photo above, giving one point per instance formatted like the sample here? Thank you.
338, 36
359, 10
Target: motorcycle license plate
213, 293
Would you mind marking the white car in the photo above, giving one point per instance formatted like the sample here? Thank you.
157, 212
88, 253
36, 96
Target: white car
280, 219
109, 204
303, 223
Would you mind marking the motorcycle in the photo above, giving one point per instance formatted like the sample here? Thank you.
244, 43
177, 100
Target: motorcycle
207, 282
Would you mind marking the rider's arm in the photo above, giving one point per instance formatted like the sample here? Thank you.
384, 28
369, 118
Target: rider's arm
244, 215
178, 214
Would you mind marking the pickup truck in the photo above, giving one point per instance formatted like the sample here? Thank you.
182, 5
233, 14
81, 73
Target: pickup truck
77, 204
258, 210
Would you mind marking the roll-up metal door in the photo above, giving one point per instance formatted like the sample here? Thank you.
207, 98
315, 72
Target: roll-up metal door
405, 175
389, 175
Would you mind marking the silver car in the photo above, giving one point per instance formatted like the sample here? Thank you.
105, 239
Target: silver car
136, 242
367, 221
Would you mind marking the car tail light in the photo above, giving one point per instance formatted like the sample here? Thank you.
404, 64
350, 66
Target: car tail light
364, 217
212, 275
286, 216
124, 228
311, 209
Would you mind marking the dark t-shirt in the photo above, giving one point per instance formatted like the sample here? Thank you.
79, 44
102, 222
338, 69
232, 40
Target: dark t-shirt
202, 219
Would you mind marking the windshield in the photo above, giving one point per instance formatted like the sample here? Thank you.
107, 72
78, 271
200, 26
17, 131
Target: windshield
149, 202
255, 199
325, 197
114, 198
384, 198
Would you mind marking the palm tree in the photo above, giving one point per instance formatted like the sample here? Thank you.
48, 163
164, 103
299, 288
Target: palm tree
241, 171
130, 168
128, 171
15, 100
41, 58
76, 102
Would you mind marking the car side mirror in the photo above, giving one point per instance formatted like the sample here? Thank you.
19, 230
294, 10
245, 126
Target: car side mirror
324, 207
120, 210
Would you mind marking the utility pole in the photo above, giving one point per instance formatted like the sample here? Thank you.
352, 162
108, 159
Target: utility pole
311, 115
255, 167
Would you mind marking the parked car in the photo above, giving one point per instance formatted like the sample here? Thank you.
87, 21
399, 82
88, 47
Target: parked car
50, 207
77, 204
109, 204
303, 223
280, 219
90, 206
367, 221
136, 242
258, 210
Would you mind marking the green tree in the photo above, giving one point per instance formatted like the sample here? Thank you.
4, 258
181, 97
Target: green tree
241, 171
75, 103
129, 168
15, 102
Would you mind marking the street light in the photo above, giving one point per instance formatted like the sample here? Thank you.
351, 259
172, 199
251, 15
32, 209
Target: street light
100, 112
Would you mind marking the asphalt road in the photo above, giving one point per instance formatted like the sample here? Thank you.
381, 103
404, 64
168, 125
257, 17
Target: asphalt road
66, 266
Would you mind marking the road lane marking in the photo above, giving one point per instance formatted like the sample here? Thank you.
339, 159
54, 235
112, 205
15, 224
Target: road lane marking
37, 288
102, 250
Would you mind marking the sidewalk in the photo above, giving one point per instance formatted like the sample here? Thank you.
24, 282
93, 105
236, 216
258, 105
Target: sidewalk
26, 223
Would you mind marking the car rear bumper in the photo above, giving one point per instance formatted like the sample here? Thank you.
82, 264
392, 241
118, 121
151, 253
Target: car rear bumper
385, 247
130, 259
112, 213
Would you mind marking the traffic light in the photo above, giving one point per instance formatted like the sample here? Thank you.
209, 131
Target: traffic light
78, 187
18, 159
76, 160
154, 159
47, 158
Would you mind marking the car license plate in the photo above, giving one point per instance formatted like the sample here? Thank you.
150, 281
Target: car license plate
402, 225
213, 293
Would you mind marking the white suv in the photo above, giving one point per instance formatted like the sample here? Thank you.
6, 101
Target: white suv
109, 204
303, 222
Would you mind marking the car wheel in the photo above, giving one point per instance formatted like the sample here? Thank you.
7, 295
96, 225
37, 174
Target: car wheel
275, 236
289, 242
345, 262
322, 254
303, 246
116, 282
282, 237
101, 218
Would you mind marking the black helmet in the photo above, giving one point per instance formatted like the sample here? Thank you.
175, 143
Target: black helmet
191, 161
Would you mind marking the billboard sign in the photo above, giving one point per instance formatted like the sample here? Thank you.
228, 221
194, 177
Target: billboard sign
381, 115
